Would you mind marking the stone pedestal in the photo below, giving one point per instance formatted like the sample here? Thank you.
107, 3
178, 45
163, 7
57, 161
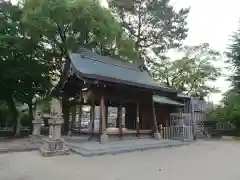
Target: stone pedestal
157, 136
54, 145
54, 148
103, 138
36, 136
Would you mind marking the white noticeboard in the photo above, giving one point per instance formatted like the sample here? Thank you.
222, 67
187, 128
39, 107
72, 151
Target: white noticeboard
97, 116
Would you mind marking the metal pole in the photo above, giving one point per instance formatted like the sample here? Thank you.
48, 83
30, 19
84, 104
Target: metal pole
192, 117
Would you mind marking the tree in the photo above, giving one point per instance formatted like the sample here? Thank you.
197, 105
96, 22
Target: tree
191, 73
230, 112
231, 100
23, 73
65, 26
151, 24
233, 55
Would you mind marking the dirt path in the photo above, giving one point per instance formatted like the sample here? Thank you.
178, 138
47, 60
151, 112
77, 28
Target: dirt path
204, 160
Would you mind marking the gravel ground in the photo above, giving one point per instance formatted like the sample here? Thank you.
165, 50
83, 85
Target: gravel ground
203, 160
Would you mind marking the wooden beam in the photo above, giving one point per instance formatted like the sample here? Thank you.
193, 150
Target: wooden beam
122, 95
154, 118
102, 116
119, 120
138, 121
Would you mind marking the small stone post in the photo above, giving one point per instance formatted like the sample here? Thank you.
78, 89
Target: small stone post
182, 135
36, 136
54, 145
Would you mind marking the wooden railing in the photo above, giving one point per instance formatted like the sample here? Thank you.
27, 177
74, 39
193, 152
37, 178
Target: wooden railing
176, 132
224, 126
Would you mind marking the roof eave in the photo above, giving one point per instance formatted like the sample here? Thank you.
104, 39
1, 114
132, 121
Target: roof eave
92, 78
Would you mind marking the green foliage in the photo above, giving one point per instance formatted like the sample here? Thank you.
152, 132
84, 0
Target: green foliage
44, 105
3, 113
24, 73
233, 55
151, 23
191, 73
229, 112
231, 100
26, 121
67, 25
64, 26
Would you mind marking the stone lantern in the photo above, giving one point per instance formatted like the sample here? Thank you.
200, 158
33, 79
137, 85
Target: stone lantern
36, 136
54, 145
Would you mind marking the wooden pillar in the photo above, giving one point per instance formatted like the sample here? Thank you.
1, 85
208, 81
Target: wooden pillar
119, 120
138, 121
92, 117
73, 120
154, 118
102, 116
106, 114
80, 117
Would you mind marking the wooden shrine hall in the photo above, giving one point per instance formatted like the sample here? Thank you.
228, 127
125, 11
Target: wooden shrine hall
103, 81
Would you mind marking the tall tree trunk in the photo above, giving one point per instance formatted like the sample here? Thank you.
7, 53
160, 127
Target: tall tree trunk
30, 114
66, 112
30, 111
73, 119
74, 112
18, 124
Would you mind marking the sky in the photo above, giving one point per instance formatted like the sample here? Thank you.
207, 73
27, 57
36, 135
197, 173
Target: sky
213, 22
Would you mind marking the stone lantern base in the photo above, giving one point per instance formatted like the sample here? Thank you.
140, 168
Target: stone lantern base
157, 136
54, 148
103, 138
35, 138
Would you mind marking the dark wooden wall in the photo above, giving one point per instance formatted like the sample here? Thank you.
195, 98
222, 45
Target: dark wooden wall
130, 115
163, 113
129, 97
146, 116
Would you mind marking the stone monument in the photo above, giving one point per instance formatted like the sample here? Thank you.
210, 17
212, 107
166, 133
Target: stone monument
158, 134
36, 136
54, 145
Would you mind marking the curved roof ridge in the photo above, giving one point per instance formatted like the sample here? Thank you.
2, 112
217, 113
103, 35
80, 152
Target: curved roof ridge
114, 64
92, 65
106, 59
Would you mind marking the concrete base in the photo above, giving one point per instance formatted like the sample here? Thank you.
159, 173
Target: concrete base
92, 148
54, 148
190, 138
103, 139
157, 136
70, 133
184, 139
35, 139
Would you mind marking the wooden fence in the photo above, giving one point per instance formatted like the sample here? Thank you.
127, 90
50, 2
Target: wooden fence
177, 132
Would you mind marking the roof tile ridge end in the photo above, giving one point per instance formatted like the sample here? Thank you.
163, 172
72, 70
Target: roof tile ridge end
119, 65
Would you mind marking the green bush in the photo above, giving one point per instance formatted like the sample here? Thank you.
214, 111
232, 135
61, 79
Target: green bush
230, 112
25, 121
